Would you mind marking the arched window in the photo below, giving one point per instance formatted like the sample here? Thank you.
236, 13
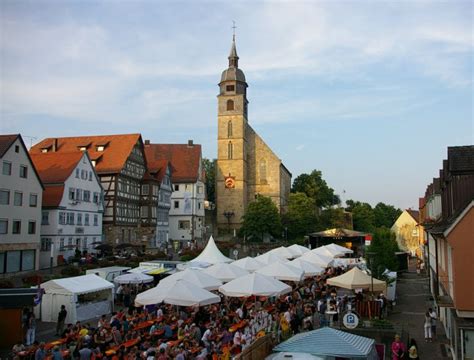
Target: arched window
263, 171
229, 129
230, 150
230, 105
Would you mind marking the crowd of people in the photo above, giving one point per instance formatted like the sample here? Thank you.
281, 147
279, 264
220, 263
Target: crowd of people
218, 331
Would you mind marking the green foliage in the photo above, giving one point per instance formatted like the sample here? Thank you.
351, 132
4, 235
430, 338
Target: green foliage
331, 218
367, 219
262, 218
210, 170
187, 257
300, 218
71, 271
6, 284
385, 215
315, 187
383, 248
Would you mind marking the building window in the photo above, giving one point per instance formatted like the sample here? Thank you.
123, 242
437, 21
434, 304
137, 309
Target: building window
16, 227
176, 187
62, 218
61, 244
145, 189
28, 260
84, 174
184, 224
86, 219
176, 204
229, 129
77, 173
33, 200
100, 148
45, 218
13, 261
4, 197
3, 226
46, 244
79, 219
78, 194
199, 206
199, 189
70, 218
90, 175
96, 220
31, 227
230, 88
18, 198
144, 211
17, 148
7, 168
263, 171
96, 198
230, 150
72, 193
230, 105
87, 196
23, 171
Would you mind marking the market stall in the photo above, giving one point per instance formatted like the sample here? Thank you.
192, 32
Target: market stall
85, 297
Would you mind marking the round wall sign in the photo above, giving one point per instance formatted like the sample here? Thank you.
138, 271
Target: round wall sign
350, 320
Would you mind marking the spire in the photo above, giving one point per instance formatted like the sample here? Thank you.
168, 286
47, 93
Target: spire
233, 58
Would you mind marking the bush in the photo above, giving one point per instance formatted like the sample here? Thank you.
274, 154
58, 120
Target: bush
71, 271
6, 284
32, 280
187, 257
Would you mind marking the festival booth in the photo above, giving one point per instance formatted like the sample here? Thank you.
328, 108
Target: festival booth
209, 256
85, 297
329, 344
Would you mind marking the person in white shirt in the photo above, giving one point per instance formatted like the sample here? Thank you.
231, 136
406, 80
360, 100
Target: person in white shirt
240, 313
206, 337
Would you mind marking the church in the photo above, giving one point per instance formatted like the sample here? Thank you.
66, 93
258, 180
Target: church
246, 165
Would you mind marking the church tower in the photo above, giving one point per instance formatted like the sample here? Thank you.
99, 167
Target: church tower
231, 176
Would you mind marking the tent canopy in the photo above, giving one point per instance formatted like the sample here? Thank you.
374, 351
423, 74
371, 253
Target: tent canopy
317, 259
283, 252
357, 279
225, 272
339, 248
77, 285
133, 278
282, 271
211, 254
298, 250
309, 269
248, 263
254, 284
269, 257
327, 341
197, 277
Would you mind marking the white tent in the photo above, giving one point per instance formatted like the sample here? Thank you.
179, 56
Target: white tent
225, 272
340, 249
323, 250
308, 268
282, 271
182, 293
133, 278
357, 279
282, 252
85, 297
297, 250
248, 263
254, 284
197, 277
211, 254
317, 259
268, 258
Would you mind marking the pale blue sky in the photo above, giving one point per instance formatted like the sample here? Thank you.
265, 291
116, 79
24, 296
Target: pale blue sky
371, 93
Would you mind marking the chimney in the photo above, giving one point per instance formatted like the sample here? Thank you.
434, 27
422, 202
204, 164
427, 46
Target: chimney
190, 143
147, 142
55, 145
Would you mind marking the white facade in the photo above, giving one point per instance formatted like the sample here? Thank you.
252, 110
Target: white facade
163, 212
77, 222
20, 211
187, 211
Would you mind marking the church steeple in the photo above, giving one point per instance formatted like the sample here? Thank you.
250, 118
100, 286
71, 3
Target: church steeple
233, 58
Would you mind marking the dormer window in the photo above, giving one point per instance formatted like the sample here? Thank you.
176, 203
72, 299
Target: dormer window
101, 146
45, 149
96, 159
84, 146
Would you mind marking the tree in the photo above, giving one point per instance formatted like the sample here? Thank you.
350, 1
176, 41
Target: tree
362, 215
210, 170
262, 217
331, 218
300, 218
381, 252
385, 215
315, 187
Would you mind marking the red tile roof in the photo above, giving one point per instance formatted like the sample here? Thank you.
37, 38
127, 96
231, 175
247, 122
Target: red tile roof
52, 195
5, 142
56, 167
184, 159
415, 214
112, 159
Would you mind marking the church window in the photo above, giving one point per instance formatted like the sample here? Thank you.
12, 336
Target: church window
230, 105
229, 88
230, 150
263, 171
229, 129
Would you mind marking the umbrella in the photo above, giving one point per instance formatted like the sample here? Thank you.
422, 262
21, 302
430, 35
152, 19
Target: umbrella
317, 259
323, 250
282, 271
356, 279
103, 247
269, 257
248, 263
340, 249
297, 250
254, 284
225, 272
282, 252
196, 277
181, 293
310, 269
133, 278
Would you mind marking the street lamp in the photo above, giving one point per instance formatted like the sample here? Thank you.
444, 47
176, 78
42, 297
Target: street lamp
228, 215
370, 255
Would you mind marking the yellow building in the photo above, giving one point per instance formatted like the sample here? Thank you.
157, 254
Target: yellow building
246, 166
409, 232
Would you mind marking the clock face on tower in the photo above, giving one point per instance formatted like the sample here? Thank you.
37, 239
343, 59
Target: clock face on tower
229, 182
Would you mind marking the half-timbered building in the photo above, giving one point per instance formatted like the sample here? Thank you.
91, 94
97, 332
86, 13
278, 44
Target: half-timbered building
120, 164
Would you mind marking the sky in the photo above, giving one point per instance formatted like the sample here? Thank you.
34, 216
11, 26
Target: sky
369, 92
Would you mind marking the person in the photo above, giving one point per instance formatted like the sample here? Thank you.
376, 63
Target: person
85, 353
427, 326
434, 317
61, 320
56, 355
398, 349
413, 350
31, 331
40, 353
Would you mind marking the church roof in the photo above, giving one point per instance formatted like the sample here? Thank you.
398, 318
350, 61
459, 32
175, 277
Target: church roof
233, 73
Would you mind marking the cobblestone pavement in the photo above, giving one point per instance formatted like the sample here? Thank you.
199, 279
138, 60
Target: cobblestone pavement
413, 299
